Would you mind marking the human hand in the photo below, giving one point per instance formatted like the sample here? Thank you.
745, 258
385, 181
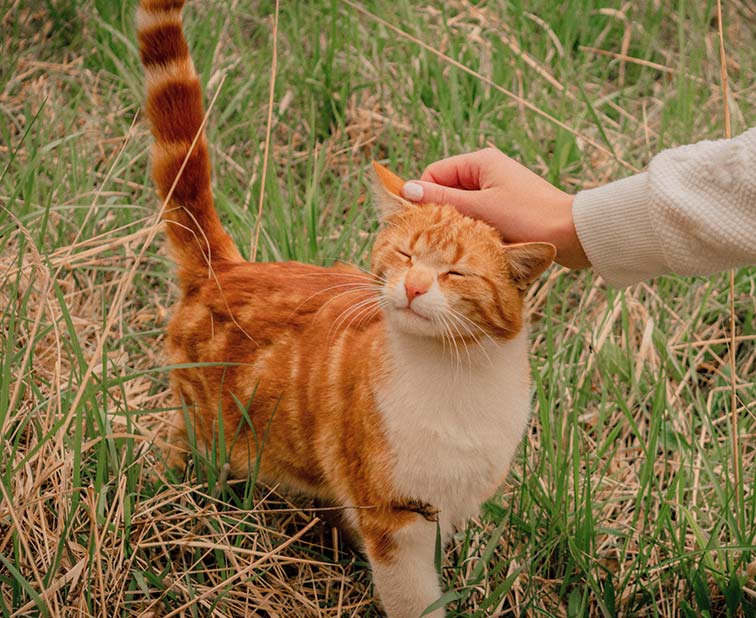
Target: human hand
490, 186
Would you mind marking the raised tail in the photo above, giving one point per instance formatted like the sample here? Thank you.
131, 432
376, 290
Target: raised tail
174, 107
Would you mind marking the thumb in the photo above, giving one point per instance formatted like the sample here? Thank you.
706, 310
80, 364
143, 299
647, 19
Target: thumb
422, 192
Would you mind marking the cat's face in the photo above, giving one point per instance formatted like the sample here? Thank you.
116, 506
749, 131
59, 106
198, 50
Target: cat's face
445, 275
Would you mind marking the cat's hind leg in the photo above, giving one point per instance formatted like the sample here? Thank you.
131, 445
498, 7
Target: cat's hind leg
186, 429
177, 449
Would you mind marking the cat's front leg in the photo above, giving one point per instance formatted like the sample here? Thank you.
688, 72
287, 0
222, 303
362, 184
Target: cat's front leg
403, 565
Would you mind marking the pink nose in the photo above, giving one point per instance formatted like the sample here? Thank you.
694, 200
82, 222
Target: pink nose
414, 290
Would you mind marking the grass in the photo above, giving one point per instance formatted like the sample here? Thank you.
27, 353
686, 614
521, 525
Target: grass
623, 501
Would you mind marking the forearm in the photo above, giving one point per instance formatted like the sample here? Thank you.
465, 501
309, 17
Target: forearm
693, 212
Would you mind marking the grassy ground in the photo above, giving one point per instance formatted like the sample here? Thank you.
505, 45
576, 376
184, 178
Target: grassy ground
626, 498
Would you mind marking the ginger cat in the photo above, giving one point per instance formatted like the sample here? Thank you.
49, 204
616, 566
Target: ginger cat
404, 392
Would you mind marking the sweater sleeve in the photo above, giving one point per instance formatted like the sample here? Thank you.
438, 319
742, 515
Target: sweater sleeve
692, 213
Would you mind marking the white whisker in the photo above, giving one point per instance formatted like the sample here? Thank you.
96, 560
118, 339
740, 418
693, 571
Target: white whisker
462, 316
452, 319
364, 274
350, 311
452, 341
356, 288
457, 316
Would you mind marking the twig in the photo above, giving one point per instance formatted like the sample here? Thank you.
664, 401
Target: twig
733, 342
273, 67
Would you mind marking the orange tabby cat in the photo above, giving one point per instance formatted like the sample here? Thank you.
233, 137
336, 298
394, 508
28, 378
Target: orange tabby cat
404, 392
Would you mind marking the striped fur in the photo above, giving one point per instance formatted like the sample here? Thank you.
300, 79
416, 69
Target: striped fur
174, 108
403, 391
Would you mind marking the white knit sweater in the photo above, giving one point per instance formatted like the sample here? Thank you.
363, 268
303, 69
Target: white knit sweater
692, 213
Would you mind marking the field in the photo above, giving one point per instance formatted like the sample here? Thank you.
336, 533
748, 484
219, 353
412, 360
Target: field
633, 492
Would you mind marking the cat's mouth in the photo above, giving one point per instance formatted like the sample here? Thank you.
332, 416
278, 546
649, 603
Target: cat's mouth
411, 312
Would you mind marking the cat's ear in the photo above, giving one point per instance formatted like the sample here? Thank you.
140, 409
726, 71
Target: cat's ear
528, 260
387, 191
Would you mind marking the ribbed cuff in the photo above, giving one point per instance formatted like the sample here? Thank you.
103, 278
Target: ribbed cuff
616, 231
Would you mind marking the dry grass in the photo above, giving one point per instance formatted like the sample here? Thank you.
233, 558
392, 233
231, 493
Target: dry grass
625, 500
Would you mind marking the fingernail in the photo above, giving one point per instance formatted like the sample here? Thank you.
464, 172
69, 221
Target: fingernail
412, 191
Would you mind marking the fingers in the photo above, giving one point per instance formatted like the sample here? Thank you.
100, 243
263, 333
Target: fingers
456, 181
431, 193
463, 171
460, 172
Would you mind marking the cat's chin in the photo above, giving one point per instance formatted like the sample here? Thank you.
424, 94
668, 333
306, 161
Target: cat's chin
409, 322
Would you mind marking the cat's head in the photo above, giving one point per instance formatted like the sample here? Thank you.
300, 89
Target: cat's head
448, 276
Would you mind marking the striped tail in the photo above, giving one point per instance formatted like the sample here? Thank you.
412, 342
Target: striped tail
174, 107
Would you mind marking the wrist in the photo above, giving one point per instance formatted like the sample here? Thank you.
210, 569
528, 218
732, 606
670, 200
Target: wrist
570, 252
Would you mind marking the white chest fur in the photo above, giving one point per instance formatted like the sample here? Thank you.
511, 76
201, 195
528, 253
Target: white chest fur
454, 429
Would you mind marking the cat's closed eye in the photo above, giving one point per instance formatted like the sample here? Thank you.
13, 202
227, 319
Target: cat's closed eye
456, 273
405, 256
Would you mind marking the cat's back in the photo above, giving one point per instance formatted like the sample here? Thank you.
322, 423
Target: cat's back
239, 310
